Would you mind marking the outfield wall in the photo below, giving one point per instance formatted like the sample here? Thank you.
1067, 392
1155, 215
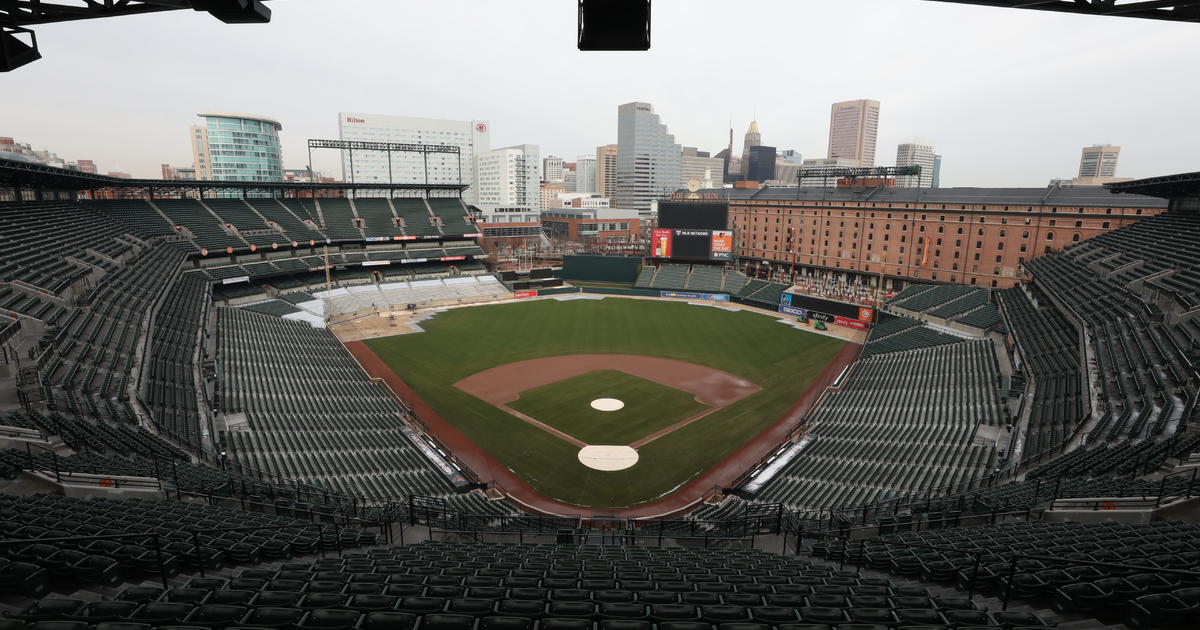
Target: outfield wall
601, 268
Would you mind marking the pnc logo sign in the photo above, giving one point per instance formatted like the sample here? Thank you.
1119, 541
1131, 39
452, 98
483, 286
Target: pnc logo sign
354, 120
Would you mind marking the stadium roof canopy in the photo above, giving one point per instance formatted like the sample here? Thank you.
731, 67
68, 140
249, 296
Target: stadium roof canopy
32, 176
1170, 10
1164, 186
1091, 196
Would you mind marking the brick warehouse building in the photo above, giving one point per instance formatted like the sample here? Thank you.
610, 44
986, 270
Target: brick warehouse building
976, 236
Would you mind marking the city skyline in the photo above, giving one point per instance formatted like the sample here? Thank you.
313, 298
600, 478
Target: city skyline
985, 127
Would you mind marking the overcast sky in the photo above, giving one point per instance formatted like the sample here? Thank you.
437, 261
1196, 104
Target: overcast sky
1007, 97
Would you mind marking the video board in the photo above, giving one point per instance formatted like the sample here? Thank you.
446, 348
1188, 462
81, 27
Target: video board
692, 245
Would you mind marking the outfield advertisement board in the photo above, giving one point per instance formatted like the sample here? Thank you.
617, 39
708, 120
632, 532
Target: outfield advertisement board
525, 294
687, 295
792, 310
850, 323
832, 308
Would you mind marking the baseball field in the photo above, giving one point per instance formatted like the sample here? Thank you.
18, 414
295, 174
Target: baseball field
693, 383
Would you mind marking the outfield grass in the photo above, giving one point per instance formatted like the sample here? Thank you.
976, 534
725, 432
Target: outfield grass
460, 342
566, 406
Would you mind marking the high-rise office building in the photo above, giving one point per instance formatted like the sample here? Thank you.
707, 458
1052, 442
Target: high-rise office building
606, 170
569, 176
237, 147
937, 171
552, 169
853, 127
585, 174
1099, 160
753, 138
915, 154
697, 165
648, 159
509, 178
760, 163
472, 138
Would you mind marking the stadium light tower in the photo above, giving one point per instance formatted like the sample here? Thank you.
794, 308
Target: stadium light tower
16, 15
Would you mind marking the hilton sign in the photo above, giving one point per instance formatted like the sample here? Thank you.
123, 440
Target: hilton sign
354, 120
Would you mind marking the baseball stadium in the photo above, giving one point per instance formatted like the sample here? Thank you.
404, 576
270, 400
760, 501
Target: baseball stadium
318, 404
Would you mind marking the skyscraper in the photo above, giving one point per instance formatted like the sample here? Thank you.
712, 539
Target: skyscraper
853, 126
606, 170
648, 159
237, 147
585, 173
1099, 160
509, 178
760, 163
937, 171
753, 139
552, 168
915, 154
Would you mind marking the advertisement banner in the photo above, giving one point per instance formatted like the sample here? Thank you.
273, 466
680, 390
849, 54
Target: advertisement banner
414, 260
866, 314
687, 295
850, 323
376, 239
525, 294
792, 310
473, 235
821, 317
404, 238
445, 258
722, 245
660, 242
235, 280
375, 263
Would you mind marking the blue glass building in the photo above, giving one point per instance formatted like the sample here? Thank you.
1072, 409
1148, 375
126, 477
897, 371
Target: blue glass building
237, 147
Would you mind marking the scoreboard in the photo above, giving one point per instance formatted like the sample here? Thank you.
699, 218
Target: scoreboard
692, 245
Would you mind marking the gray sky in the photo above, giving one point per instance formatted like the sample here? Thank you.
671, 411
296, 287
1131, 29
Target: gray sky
1008, 97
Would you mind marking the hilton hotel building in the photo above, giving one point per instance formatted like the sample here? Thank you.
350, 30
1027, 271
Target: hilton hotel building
472, 137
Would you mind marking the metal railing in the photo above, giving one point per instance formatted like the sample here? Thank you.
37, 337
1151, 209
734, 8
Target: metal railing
440, 518
154, 537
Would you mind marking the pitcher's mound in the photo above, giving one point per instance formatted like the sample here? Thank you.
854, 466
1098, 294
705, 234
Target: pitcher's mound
601, 457
607, 404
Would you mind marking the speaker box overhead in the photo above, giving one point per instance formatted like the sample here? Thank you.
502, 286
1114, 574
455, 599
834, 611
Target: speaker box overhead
614, 24
15, 53
235, 11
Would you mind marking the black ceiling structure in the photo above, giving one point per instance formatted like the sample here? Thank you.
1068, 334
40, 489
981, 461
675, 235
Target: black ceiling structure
18, 44
30, 176
1169, 10
1179, 186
